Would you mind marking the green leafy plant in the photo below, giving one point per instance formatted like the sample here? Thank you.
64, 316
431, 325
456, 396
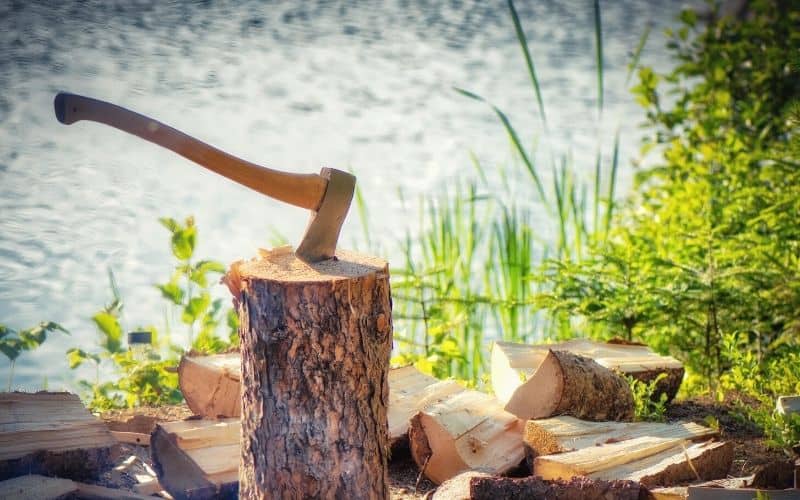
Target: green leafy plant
707, 246
754, 387
152, 380
646, 405
188, 289
13, 343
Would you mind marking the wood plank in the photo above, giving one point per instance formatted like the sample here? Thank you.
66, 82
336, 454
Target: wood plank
409, 392
94, 491
494, 488
651, 460
211, 384
467, 430
514, 364
53, 434
567, 383
36, 487
698, 461
787, 405
710, 493
132, 438
209, 465
565, 433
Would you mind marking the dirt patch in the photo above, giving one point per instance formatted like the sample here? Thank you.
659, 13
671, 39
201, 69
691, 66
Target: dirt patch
750, 451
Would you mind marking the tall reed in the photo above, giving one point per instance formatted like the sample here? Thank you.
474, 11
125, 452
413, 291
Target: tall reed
469, 273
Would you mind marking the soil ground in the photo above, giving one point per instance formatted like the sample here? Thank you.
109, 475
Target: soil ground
751, 454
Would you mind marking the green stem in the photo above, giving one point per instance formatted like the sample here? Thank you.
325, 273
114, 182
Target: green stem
11, 374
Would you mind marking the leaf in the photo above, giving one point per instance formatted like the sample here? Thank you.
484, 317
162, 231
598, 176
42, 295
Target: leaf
183, 242
195, 308
170, 223
11, 348
172, 292
112, 331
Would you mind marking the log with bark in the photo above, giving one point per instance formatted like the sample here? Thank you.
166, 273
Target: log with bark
653, 461
36, 487
467, 430
562, 383
210, 384
197, 459
514, 364
409, 392
315, 343
534, 488
561, 434
51, 433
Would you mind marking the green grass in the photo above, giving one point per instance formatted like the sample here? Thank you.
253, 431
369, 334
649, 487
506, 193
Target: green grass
469, 268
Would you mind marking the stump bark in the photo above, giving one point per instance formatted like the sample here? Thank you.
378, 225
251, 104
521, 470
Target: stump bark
315, 344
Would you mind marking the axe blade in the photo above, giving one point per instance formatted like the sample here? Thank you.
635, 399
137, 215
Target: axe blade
322, 233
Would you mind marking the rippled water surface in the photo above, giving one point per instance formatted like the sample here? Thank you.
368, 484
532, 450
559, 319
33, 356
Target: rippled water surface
292, 85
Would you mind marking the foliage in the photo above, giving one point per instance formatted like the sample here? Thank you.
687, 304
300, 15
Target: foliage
188, 290
468, 276
755, 386
646, 405
151, 380
710, 243
13, 343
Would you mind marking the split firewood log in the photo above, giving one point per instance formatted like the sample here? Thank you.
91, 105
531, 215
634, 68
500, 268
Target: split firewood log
564, 383
467, 430
514, 364
197, 459
211, 384
409, 392
51, 433
652, 461
561, 434
494, 488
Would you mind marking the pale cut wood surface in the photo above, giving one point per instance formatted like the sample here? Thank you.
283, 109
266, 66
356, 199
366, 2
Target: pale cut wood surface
680, 464
567, 383
211, 384
652, 460
467, 430
565, 433
513, 364
198, 458
52, 433
36, 487
409, 392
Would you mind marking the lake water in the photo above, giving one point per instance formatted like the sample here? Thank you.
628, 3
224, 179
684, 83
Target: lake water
361, 85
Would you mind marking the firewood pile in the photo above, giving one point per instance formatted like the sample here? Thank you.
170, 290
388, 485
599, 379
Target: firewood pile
558, 425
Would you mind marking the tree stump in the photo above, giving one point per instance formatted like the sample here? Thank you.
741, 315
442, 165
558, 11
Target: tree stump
315, 344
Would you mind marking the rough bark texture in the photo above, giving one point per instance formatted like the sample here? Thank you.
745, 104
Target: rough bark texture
315, 343
534, 488
591, 391
668, 385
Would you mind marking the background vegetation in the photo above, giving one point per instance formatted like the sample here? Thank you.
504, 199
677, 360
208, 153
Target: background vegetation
700, 261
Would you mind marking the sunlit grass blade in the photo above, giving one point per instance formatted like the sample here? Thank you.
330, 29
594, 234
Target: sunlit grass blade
637, 54
523, 43
598, 35
514, 139
361, 206
612, 184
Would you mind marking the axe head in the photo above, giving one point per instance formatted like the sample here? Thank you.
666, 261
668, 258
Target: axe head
322, 233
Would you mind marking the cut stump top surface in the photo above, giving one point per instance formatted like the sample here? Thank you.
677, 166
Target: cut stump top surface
282, 264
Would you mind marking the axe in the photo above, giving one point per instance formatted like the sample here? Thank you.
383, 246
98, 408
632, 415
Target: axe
327, 195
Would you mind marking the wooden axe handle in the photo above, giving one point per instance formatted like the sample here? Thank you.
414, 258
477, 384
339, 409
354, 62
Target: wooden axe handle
302, 190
